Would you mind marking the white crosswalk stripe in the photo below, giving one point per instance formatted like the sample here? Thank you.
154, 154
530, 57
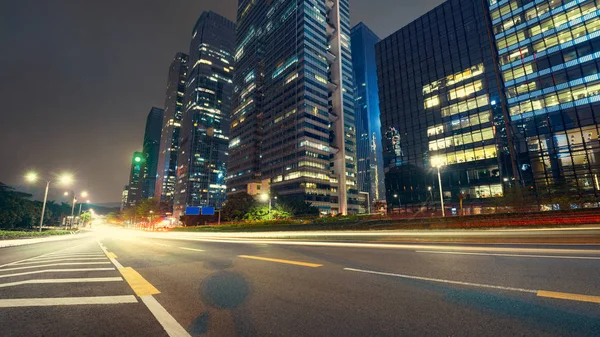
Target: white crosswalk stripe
63, 280
71, 255
61, 256
62, 259
43, 302
57, 271
54, 264
74, 265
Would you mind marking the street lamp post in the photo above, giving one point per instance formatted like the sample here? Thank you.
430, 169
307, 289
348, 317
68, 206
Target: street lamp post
33, 177
72, 212
83, 194
44, 204
266, 197
80, 205
441, 191
438, 164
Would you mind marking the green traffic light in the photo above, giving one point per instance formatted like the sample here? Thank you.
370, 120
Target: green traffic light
137, 159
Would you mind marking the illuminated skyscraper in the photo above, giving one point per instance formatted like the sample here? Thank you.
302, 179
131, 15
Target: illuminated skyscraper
293, 118
136, 175
505, 95
169, 143
549, 53
440, 104
151, 148
368, 126
202, 161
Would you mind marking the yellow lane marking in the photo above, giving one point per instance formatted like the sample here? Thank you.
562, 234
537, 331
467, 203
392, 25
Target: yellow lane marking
304, 264
111, 255
568, 296
192, 249
138, 283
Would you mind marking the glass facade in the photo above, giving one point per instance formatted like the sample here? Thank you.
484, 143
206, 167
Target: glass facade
293, 118
203, 152
440, 103
368, 126
169, 143
151, 149
548, 54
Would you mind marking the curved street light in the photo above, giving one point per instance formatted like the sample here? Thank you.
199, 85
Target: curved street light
83, 195
63, 179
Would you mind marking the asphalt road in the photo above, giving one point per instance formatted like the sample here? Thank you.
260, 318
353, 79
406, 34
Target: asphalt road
128, 283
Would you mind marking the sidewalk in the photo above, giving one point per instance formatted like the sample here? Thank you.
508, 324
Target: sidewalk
21, 242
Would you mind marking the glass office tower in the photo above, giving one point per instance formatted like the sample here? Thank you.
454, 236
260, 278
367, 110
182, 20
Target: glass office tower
368, 126
202, 160
293, 119
169, 143
151, 150
548, 53
136, 175
439, 105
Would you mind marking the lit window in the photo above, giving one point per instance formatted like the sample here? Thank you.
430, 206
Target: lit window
432, 101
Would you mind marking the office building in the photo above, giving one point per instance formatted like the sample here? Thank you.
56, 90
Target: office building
440, 104
203, 148
369, 155
548, 54
293, 119
136, 176
166, 177
151, 148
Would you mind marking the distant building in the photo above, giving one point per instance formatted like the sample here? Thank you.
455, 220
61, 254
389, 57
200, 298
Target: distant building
136, 175
166, 176
124, 196
293, 117
151, 148
369, 155
203, 153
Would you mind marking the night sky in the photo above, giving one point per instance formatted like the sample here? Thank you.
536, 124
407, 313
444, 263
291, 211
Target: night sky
77, 79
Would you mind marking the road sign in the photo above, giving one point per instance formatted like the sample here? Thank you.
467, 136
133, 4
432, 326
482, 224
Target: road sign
208, 211
192, 210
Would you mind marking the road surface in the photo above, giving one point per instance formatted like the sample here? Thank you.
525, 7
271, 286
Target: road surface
127, 283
